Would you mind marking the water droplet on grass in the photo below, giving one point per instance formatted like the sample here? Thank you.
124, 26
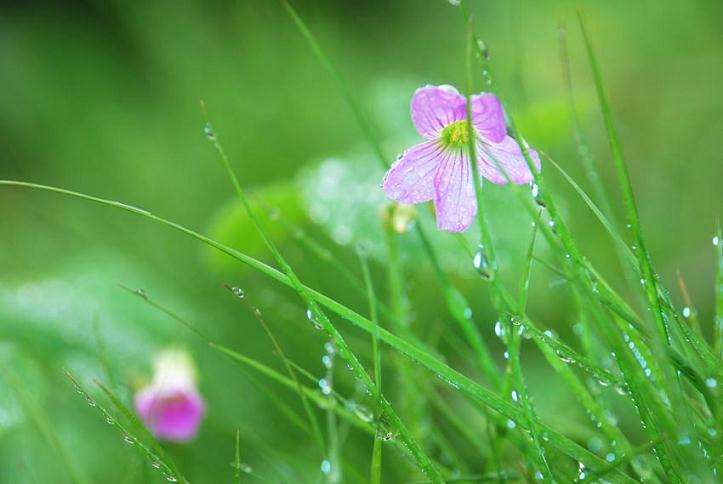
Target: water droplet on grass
209, 132
500, 330
325, 386
238, 292
711, 382
686, 312
481, 263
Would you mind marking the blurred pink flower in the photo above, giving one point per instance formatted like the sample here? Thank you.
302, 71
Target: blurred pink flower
438, 168
171, 406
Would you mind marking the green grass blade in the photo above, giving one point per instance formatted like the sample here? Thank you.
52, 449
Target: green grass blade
464, 384
134, 432
625, 185
376, 462
348, 95
520, 388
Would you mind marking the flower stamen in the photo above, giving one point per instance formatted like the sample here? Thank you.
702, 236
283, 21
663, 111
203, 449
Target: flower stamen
455, 135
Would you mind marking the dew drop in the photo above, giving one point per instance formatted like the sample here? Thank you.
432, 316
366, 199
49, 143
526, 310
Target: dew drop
325, 386
610, 457
327, 361
209, 132
238, 292
500, 330
511, 424
171, 478
515, 397
538, 476
686, 312
716, 240
481, 263
711, 382
142, 293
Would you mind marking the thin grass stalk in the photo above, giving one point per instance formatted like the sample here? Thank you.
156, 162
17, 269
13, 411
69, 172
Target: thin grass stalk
310, 415
626, 187
376, 461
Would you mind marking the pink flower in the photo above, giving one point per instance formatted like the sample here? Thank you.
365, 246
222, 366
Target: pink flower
171, 407
438, 168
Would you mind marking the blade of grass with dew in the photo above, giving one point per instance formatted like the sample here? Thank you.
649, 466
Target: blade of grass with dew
137, 435
139, 429
474, 391
376, 461
455, 379
42, 422
318, 316
698, 345
625, 185
695, 347
520, 391
571, 253
310, 415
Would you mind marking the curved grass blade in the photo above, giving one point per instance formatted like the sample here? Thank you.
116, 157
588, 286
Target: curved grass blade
520, 391
457, 380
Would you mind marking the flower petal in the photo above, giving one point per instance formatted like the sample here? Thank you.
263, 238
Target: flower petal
434, 107
488, 117
508, 156
454, 201
411, 178
170, 415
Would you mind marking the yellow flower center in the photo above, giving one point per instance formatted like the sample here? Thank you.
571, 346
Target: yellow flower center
456, 135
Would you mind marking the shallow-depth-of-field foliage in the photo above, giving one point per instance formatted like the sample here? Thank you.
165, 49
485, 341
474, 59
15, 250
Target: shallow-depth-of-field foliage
499, 303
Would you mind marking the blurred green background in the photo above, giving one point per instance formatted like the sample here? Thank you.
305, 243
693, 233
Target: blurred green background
103, 98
